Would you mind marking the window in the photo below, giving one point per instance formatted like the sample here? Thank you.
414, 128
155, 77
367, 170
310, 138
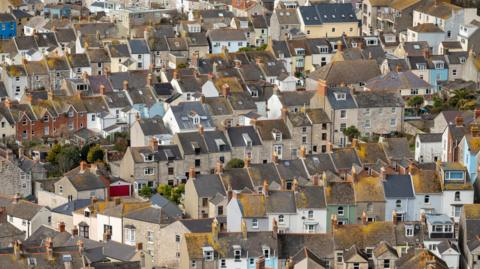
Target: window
367, 123
448, 228
237, 253
194, 264
394, 110
251, 261
304, 129
304, 139
177, 238
46, 130
204, 202
343, 126
92, 118
310, 214
409, 230
398, 203
393, 122
208, 254
437, 228
324, 136
60, 189
340, 211
456, 211
197, 162
150, 236
223, 263
266, 252
333, 30
339, 256
281, 219
356, 265
130, 235
454, 72
343, 114
220, 210
24, 222
107, 229
170, 171
148, 171
255, 223
457, 196
310, 228
386, 264
426, 199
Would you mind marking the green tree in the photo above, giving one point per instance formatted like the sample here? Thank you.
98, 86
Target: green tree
235, 163
351, 132
415, 101
145, 192
53, 152
173, 194
95, 154
67, 158
462, 99
164, 190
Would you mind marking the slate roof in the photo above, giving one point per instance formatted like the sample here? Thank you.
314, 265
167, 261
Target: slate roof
266, 127
398, 186
318, 163
69, 207
367, 99
182, 113
292, 169
252, 205
152, 126
310, 197
345, 158
336, 104
339, 193
261, 172
138, 46
197, 225
237, 179
78, 60
364, 236
84, 180
281, 202
327, 13
226, 35
237, 136
118, 50
152, 214
430, 138
208, 185
322, 245
23, 210
169, 208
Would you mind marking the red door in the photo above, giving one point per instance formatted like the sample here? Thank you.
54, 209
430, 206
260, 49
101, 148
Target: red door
116, 191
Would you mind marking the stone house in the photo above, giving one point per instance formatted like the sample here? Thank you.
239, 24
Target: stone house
15, 80
64, 213
27, 216
82, 182
276, 139
198, 192
468, 241
245, 143
369, 195
144, 130
173, 236
282, 21
312, 128
14, 179
152, 165
38, 75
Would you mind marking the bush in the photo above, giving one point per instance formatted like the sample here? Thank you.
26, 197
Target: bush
145, 192
95, 153
235, 163
173, 194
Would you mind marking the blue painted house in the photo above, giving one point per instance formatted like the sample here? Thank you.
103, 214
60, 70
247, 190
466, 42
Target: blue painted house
438, 71
58, 10
8, 26
471, 148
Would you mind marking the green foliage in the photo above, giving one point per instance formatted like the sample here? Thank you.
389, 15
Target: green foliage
145, 192
462, 99
415, 101
120, 140
351, 132
64, 158
261, 48
235, 163
181, 66
95, 153
173, 194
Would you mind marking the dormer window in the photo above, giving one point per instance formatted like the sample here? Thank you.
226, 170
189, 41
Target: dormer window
323, 49
254, 93
220, 145
237, 252
300, 51
463, 60
196, 119
438, 64
248, 140
148, 157
421, 66
208, 253
409, 230
266, 251
86, 213
45, 118
277, 135
340, 96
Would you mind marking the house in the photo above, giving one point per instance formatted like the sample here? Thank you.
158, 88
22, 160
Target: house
140, 53
203, 248
230, 39
468, 148
371, 11
199, 189
16, 181
313, 127
428, 147
428, 32
369, 195
456, 186
8, 26
405, 83
27, 216
187, 117
144, 130
282, 21
82, 182
468, 241
427, 189
340, 201
15, 81
63, 214
173, 236
276, 139
328, 20
400, 198
245, 143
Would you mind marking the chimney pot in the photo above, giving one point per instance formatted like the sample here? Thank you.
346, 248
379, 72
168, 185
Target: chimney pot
83, 166
61, 227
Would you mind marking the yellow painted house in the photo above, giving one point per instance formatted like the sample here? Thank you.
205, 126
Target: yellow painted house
328, 20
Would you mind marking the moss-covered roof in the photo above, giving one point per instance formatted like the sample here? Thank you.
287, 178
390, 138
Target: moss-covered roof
472, 211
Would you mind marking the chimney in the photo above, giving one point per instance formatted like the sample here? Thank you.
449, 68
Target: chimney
329, 147
426, 53
246, 162
154, 144
93, 200
303, 152
137, 116
17, 248
364, 218
150, 80
265, 188
258, 61
195, 58
211, 76
477, 113
394, 217
16, 198
117, 200
289, 263
244, 229
316, 180
398, 68
383, 173
230, 193
339, 45
475, 130
139, 246
284, 113
61, 227
354, 143
175, 75
274, 228
202, 99
225, 90
411, 168
295, 185
219, 168
201, 129
29, 98
215, 230
191, 173
354, 174
459, 121
274, 158
49, 248
102, 89
81, 246
75, 231
423, 217
283, 184
125, 85
84, 75
8, 103
260, 263
238, 64
333, 220
83, 166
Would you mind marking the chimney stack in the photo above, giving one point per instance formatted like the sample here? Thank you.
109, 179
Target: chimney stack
459, 121
215, 230
225, 90
61, 227
316, 180
295, 185
75, 231
102, 89
333, 220
139, 246
154, 144
117, 200
354, 143
191, 173
383, 173
329, 147
265, 188
150, 80
475, 130
201, 129
274, 158
244, 229
219, 168
81, 246
477, 113
125, 85
16, 198
274, 228
246, 162
283, 184
8, 103
364, 218
284, 113
83, 166
303, 152
49, 248
394, 217
175, 75
260, 263
17, 248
